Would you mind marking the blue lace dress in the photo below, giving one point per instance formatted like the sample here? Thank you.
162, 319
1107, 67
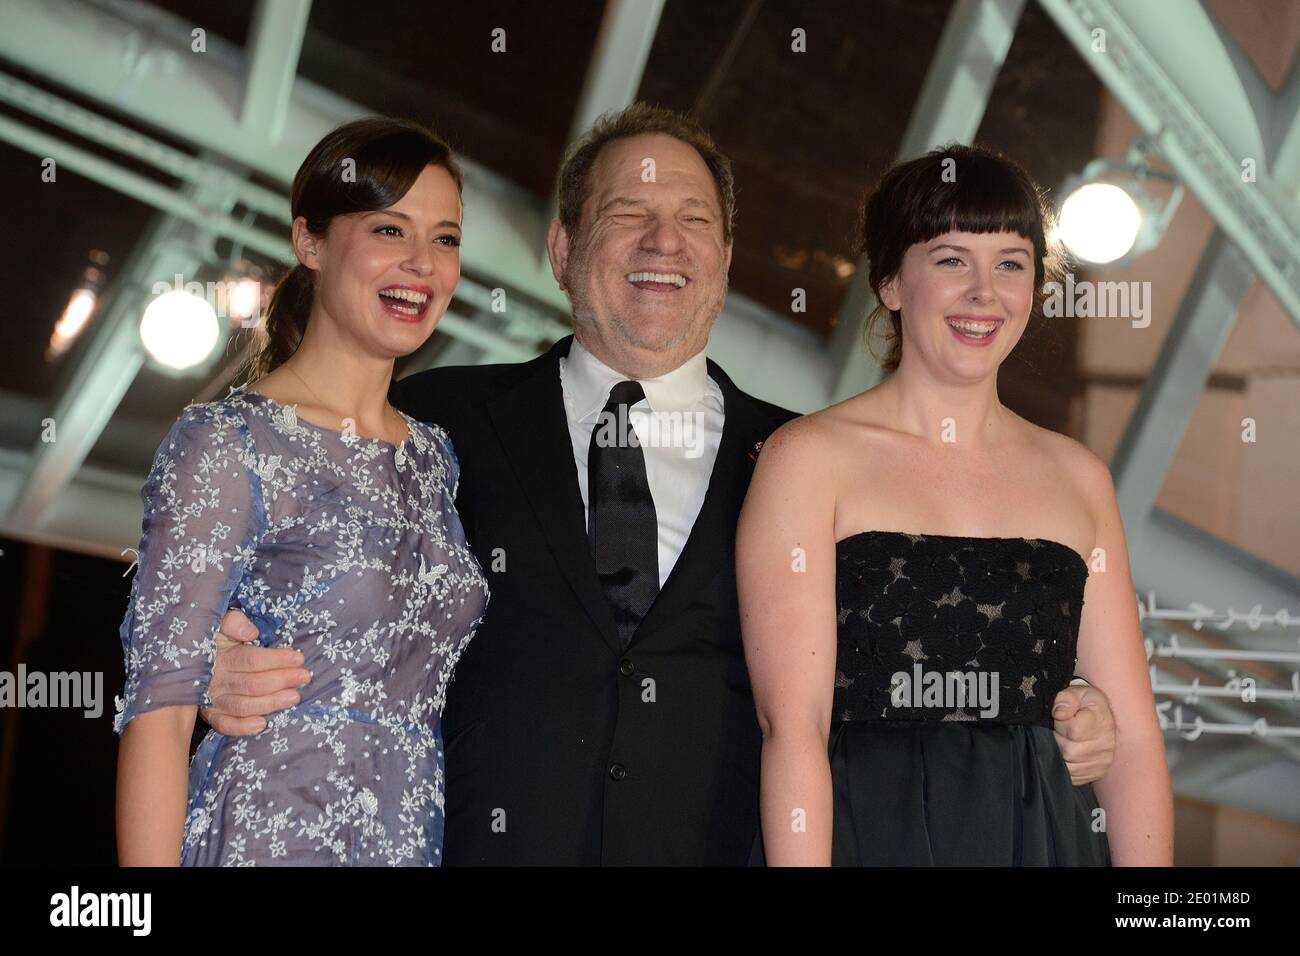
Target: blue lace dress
348, 549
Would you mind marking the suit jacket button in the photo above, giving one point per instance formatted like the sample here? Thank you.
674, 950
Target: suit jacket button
617, 771
626, 667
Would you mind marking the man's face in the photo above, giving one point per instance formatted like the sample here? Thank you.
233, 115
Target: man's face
647, 270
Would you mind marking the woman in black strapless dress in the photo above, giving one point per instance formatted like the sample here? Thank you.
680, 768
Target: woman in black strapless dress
993, 606
913, 582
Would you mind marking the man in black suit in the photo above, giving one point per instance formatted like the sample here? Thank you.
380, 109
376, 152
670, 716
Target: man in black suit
602, 713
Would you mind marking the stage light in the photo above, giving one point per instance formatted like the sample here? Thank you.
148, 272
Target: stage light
1109, 215
80, 307
179, 329
1099, 223
245, 300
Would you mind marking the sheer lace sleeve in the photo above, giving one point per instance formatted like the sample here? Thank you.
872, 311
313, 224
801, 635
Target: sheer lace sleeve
203, 520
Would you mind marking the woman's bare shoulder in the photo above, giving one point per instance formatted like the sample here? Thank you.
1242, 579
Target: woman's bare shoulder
860, 418
1076, 463
834, 448
836, 427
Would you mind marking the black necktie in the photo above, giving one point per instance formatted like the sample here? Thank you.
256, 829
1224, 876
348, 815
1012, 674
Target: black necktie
621, 521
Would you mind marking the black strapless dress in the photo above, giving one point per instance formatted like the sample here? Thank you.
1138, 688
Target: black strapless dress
957, 763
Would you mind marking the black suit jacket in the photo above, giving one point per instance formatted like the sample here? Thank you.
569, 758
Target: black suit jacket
560, 747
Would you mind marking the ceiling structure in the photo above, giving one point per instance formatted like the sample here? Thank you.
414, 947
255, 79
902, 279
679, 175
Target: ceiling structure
173, 161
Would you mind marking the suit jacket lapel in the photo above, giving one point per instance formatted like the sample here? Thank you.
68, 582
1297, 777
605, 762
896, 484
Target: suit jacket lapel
712, 539
534, 431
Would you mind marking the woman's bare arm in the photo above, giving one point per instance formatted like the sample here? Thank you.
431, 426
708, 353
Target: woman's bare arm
1135, 793
785, 563
152, 786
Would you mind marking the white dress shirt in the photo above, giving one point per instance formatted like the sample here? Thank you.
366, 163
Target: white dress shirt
679, 425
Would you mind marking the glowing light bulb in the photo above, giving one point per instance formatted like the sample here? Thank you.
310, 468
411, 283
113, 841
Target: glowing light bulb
1099, 222
179, 329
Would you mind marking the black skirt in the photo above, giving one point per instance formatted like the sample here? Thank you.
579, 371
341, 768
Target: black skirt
958, 793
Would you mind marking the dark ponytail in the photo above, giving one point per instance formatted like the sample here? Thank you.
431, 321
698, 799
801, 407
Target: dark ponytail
285, 321
362, 166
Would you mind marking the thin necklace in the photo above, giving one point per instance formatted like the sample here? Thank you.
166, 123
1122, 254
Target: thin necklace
323, 403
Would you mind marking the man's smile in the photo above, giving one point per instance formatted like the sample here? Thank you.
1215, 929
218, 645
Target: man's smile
657, 281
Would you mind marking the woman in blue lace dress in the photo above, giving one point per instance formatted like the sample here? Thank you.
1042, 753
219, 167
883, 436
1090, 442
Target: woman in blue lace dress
327, 517
922, 572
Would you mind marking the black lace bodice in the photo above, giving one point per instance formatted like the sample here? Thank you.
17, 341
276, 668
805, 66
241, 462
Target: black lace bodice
1001, 612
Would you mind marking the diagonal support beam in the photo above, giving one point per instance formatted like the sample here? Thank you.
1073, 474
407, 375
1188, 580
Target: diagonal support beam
1202, 155
178, 203
627, 31
1200, 331
618, 60
108, 365
1285, 136
972, 48
1169, 397
274, 44
950, 107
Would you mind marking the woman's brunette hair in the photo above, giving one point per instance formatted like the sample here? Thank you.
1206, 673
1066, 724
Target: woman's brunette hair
362, 166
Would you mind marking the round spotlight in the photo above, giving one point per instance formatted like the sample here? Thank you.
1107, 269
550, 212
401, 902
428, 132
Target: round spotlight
179, 329
1099, 222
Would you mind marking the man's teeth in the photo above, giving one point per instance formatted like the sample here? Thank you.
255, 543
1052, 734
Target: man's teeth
666, 278
977, 329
